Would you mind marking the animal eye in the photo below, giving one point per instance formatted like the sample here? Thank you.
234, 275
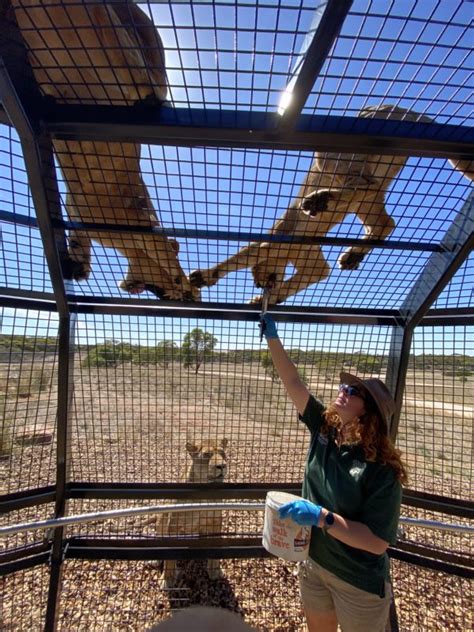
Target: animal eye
207, 455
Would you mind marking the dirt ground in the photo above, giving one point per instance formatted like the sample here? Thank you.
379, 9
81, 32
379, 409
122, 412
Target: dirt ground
131, 424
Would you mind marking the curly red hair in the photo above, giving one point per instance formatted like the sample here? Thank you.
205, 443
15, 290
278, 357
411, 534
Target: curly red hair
370, 432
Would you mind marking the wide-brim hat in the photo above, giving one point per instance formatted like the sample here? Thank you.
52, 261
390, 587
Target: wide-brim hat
378, 391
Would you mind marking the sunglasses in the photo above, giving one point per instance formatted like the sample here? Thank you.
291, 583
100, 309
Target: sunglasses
351, 391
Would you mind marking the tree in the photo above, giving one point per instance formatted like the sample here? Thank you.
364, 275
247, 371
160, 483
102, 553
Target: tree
145, 355
166, 352
197, 348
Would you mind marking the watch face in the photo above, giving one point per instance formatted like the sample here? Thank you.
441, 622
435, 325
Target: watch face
329, 519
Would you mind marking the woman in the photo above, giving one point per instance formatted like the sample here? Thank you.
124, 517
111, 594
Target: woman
352, 490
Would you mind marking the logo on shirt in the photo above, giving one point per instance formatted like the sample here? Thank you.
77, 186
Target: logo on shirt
357, 469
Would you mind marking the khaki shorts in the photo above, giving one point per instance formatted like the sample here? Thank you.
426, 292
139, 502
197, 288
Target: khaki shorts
356, 610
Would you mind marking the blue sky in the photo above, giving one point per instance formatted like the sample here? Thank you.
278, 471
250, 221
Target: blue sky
241, 56
92, 329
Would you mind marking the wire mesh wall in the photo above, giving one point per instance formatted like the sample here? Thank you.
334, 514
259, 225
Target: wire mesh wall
146, 398
403, 52
459, 291
29, 542
442, 600
188, 174
24, 600
28, 366
118, 595
109, 602
436, 433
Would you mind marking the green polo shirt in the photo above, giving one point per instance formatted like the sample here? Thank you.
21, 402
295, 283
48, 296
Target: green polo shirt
341, 480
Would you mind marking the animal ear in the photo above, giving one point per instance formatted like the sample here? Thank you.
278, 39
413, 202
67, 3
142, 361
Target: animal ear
224, 442
191, 448
174, 244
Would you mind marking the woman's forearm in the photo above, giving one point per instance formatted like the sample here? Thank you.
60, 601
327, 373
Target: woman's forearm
296, 389
355, 534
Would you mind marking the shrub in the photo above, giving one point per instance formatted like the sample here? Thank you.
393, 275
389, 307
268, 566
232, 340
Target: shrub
267, 363
107, 354
6, 425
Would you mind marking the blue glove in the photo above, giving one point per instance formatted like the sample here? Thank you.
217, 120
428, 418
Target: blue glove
268, 327
303, 512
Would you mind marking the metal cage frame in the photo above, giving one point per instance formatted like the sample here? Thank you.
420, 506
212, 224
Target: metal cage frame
38, 122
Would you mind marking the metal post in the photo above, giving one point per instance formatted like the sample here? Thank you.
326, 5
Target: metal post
39, 160
328, 20
38, 155
398, 358
65, 380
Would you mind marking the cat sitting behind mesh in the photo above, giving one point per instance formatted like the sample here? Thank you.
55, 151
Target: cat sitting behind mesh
209, 465
98, 53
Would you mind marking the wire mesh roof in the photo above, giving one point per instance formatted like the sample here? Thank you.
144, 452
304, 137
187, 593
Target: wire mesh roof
242, 55
239, 56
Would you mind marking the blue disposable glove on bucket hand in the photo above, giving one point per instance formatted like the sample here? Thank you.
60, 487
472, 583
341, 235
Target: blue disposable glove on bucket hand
268, 327
303, 512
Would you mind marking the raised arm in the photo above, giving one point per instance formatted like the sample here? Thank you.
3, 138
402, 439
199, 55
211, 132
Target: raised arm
295, 388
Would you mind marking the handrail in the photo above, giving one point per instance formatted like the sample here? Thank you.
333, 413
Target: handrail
187, 507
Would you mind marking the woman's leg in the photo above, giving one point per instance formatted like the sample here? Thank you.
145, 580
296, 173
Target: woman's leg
318, 604
358, 610
322, 621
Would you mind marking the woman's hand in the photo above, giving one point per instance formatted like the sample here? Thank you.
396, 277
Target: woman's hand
355, 534
268, 327
303, 512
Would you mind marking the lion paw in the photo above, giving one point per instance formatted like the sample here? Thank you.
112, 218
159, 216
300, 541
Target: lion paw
203, 278
257, 300
317, 202
263, 278
133, 287
137, 287
154, 289
193, 294
350, 260
75, 270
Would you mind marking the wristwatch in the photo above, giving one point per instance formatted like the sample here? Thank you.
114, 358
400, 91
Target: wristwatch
328, 521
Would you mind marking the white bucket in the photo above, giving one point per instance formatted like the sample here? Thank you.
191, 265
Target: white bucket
284, 538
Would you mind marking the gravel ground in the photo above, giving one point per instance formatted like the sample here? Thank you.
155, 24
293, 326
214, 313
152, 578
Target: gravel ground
125, 596
139, 437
